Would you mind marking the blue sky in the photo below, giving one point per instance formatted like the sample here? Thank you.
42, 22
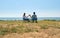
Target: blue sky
43, 8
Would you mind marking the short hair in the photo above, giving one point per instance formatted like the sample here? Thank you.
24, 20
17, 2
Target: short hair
33, 12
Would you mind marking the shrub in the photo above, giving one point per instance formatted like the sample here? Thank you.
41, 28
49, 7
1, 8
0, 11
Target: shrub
3, 31
44, 26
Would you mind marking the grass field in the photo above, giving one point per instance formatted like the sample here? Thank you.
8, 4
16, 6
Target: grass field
19, 29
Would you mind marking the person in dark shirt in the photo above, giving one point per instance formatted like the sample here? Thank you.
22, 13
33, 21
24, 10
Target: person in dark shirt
34, 17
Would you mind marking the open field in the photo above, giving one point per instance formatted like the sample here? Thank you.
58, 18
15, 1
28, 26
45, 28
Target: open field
18, 29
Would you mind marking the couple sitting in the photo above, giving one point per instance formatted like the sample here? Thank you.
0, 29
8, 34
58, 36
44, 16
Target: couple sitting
33, 17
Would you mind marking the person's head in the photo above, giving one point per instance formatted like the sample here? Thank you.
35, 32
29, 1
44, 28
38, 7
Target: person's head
34, 13
24, 14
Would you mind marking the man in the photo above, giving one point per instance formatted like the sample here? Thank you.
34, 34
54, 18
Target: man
34, 17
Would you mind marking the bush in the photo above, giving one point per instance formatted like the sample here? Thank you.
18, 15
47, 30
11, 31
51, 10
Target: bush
44, 26
3, 31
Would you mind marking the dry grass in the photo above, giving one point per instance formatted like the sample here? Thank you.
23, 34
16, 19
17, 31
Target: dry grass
18, 29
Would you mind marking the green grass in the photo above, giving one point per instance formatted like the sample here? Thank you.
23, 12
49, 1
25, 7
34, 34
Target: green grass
7, 27
44, 26
3, 31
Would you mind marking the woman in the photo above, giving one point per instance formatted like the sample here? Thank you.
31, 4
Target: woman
25, 18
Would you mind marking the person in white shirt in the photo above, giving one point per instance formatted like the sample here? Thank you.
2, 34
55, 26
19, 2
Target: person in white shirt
25, 18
